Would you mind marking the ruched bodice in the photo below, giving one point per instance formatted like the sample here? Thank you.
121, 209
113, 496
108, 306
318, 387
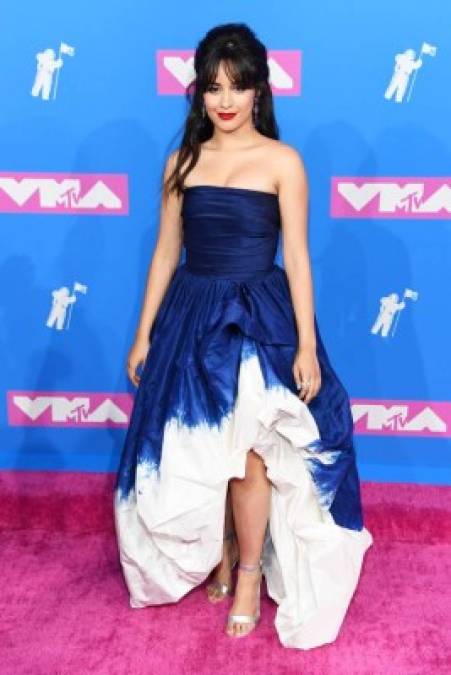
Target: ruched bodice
230, 232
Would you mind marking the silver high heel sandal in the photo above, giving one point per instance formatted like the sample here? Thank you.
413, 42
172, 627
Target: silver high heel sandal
253, 619
220, 589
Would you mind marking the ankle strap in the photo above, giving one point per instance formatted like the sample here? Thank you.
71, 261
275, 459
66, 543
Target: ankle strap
250, 568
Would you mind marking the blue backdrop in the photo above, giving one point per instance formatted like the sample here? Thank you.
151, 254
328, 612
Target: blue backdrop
88, 96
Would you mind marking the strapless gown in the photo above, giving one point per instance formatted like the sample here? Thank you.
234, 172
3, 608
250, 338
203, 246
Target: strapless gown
218, 381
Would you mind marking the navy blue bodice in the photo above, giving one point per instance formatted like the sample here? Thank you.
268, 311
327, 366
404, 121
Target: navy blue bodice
229, 231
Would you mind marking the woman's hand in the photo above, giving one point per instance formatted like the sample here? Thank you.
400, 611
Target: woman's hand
307, 373
136, 357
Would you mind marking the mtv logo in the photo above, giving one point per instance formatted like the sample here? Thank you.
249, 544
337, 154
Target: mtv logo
402, 418
390, 197
83, 194
175, 71
68, 409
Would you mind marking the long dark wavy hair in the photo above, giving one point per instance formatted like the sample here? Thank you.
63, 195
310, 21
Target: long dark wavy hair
246, 65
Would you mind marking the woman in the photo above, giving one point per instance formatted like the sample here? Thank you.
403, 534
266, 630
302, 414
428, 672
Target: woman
240, 442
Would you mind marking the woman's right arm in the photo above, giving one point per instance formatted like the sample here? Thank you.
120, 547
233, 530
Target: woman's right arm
163, 263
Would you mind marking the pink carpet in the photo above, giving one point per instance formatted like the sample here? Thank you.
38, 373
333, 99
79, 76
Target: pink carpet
65, 608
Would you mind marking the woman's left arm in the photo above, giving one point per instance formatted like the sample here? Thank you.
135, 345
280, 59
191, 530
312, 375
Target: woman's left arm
293, 200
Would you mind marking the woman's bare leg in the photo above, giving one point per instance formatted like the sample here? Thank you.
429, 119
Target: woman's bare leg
250, 504
223, 571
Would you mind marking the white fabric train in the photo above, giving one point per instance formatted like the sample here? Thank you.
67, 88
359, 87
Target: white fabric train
170, 529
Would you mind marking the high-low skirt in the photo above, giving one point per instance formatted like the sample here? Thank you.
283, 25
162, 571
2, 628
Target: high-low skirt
216, 383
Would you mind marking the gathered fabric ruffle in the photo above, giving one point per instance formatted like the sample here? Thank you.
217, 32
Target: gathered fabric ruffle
171, 522
191, 376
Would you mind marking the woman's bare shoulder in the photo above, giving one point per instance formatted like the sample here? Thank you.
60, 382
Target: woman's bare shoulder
172, 159
284, 152
288, 164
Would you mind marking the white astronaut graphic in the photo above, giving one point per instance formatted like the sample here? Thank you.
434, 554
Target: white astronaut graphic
390, 309
405, 65
62, 301
47, 65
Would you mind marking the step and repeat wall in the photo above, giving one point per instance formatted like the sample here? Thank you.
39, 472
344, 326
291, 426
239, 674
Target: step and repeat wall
93, 101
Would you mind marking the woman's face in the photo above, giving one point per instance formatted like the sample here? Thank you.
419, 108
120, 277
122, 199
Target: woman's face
224, 97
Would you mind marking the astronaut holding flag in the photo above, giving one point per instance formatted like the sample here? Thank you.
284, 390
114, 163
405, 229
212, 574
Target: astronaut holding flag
406, 63
62, 303
390, 310
47, 65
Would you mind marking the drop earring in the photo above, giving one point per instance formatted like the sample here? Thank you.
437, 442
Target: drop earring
204, 112
255, 110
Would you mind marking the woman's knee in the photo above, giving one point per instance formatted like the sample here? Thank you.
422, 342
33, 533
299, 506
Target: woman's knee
255, 467
255, 472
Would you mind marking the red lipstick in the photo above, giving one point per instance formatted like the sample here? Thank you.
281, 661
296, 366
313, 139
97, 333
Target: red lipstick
226, 116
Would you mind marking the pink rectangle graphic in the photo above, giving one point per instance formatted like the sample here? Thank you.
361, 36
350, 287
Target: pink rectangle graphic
390, 197
67, 193
175, 71
393, 417
68, 409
